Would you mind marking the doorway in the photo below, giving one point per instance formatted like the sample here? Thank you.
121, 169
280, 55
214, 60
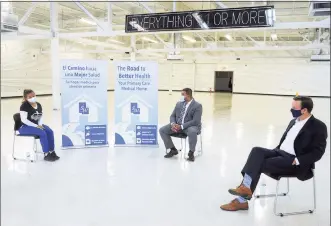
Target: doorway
223, 81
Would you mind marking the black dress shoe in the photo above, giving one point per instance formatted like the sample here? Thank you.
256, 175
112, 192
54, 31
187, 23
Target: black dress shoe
55, 155
49, 157
171, 153
191, 156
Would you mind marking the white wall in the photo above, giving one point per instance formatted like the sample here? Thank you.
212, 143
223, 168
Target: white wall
20, 70
311, 78
24, 65
282, 77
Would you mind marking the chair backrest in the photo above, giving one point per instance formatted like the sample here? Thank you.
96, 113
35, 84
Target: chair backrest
17, 120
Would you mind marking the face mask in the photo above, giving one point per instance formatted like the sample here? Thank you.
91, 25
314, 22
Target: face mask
181, 99
296, 113
32, 100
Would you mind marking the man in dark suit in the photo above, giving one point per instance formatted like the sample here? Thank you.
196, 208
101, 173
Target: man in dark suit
185, 118
302, 144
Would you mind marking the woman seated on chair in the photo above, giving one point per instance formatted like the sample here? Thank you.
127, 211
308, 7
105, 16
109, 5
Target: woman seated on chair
31, 117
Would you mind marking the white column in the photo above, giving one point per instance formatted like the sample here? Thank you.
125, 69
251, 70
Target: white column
194, 75
171, 75
55, 58
174, 35
133, 48
264, 37
110, 16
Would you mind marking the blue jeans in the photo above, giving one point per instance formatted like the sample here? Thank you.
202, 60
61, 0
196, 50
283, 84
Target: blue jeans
46, 136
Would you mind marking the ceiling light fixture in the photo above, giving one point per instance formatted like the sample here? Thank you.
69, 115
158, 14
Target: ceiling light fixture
200, 21
149, 39
188, 38
115, 41
87, 21
136, 25
228, 37
273, 36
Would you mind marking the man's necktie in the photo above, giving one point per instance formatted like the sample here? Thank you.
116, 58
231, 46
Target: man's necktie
182, 112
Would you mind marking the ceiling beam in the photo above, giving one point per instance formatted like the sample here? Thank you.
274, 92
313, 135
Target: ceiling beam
96, 43
220, 5
34, 31
253, 40
27, 14
256, 48
282, 26
109, 16
10, 37
143, 4
89, 14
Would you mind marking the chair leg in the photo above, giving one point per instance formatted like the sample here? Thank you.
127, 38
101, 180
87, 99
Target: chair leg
314, 190
23, 159
201, 144
276, 194
35, 150
13, 153
294, 213
181, 144
184, 146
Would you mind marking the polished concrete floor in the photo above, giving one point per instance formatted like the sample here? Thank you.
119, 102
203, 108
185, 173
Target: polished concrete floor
137, 186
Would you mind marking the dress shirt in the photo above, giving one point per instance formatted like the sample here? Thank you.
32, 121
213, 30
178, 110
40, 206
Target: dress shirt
187, 105
288, 143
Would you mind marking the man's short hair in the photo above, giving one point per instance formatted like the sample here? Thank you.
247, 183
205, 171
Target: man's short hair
306, 102
188, 91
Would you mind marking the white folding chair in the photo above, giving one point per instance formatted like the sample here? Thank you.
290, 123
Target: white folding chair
17, 120
183, 137
278, 177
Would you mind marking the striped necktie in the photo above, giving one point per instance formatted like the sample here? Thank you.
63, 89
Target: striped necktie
182, 112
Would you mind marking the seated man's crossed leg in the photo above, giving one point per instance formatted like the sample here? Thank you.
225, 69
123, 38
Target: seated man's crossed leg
260, 160
302, 144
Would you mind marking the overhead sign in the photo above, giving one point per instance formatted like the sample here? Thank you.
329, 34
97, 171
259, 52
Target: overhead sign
263, 16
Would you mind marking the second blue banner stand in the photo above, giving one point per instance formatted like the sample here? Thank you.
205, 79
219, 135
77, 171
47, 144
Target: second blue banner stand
136, 104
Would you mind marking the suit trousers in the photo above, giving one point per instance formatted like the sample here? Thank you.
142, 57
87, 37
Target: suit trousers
191, 132
262, 160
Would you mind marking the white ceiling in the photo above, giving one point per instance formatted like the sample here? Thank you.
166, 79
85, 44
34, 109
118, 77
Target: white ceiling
206, 44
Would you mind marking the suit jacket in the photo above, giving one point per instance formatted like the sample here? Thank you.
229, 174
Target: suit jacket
309, 145
192, 116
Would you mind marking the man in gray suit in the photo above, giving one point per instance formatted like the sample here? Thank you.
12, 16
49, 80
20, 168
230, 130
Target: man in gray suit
185, 118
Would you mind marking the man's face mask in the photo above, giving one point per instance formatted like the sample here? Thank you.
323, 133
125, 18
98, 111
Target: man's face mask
182, 99
296, 113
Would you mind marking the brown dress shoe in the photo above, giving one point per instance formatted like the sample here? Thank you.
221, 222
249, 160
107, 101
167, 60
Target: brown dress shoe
242, 191
235, 205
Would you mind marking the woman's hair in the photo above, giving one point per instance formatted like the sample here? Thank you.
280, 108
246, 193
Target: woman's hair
26, 92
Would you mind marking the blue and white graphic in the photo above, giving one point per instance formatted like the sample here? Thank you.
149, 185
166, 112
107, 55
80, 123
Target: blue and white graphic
83, 109
146, 134
134, 109
136, 103
96, 135
84, 103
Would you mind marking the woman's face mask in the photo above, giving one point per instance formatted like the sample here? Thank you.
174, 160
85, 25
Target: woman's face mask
32, 100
